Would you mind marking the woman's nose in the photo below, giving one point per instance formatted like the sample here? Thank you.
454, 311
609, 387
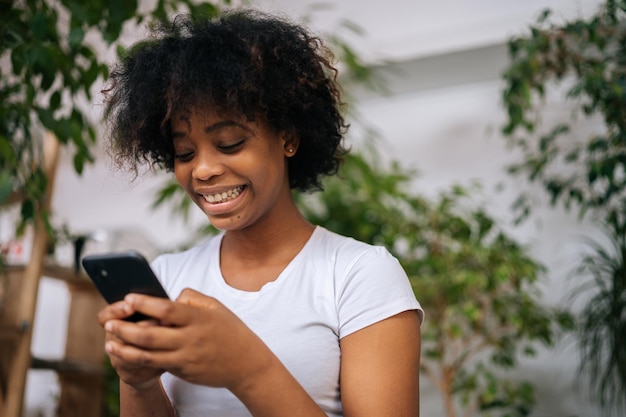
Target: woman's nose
206, 167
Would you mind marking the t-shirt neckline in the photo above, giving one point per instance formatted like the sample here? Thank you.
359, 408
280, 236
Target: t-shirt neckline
216, 270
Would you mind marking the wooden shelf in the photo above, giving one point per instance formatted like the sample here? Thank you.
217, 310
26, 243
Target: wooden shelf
66, 274
64, 366
80, 371
59, 272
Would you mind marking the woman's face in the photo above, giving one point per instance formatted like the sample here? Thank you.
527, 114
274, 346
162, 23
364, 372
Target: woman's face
234, 170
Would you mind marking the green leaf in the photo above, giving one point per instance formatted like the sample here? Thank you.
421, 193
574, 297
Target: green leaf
6, 150
119, 11
6, 185
17, 59
204, 9
46, 117
76, 36
39, 25
55, 100
31, 92
27, 210
90, 76
79, 163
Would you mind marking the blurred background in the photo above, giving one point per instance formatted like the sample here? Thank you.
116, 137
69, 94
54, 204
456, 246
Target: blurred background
436, 108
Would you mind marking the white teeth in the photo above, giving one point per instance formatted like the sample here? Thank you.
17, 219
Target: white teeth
224, 196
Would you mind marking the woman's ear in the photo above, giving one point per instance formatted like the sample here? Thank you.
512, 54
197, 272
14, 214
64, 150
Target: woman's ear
290, 143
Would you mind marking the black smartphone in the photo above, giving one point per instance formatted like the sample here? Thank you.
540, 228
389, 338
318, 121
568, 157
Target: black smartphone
117, 274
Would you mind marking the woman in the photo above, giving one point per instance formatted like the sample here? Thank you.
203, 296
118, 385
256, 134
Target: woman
274, 316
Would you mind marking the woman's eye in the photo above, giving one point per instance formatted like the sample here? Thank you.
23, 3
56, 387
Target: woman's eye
183, 156
232, 147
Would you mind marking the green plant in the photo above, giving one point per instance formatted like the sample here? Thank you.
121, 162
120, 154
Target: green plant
476, 284
586, 174
589, 57
602, 346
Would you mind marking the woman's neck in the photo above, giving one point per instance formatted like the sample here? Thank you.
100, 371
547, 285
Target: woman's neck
267, 239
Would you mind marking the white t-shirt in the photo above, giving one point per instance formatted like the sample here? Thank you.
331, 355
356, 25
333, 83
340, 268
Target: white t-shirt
332, 288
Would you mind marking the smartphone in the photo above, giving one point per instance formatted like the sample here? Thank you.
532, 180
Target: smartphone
117, 274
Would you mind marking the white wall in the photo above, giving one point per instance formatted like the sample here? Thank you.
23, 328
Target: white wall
442, 117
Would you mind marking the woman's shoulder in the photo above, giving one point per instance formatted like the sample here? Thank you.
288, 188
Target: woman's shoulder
370, 284
351, 258
346, 247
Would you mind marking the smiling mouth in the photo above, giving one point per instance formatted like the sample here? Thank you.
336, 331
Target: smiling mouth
223, 196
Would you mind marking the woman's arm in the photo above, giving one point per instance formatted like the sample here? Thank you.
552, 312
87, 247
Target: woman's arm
149, 401
274, 392
380, 368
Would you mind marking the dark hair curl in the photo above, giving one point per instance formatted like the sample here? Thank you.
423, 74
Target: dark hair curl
245, 62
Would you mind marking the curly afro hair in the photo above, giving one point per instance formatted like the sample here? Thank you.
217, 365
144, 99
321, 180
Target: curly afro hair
244, 62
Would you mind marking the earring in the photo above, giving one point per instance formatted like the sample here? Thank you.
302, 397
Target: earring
290, 150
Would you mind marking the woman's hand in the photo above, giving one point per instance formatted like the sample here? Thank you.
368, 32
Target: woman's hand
197, 339
136, 376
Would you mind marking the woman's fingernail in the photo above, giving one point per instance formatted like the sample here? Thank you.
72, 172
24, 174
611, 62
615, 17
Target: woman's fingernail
108, 326
108, 347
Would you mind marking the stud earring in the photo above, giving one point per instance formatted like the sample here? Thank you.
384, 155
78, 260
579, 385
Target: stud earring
290, 150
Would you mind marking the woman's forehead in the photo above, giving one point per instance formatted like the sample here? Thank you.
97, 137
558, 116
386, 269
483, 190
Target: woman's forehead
211, 120
209, 112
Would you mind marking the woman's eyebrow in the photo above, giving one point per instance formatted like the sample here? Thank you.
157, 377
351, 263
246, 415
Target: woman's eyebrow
225, 123
215, 126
